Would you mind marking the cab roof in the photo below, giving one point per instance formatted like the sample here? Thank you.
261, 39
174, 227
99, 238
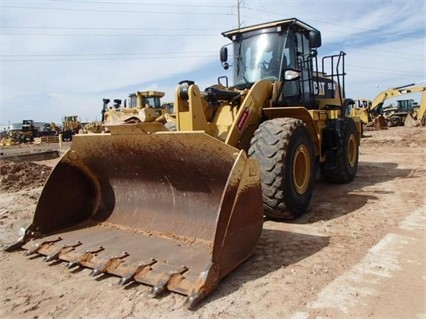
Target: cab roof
291, 21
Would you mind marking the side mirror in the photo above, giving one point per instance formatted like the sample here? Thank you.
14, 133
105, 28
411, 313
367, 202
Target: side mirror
223, 54
314, 39
224, 57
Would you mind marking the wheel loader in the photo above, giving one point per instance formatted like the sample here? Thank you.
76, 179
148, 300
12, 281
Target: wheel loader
142, 106
180, 210
71, 125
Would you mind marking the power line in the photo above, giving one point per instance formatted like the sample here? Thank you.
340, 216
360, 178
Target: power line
100, 28
396, 55
111, 35
109, 58
370, 69
171, 3
120, 11
106, 54
350, 27
88, 57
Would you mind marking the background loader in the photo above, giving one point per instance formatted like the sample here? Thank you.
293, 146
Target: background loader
180, 210
26, 134
71, 125
142, 106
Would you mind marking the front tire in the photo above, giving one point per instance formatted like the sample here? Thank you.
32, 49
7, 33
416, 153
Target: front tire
284, 149
395, 121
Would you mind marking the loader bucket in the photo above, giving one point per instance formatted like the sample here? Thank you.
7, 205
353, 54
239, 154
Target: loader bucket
175, 211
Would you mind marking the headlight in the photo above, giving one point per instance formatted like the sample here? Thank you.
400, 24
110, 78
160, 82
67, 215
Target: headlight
290, 75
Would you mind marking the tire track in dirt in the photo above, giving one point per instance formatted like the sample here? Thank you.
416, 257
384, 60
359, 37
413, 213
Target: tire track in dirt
365, 280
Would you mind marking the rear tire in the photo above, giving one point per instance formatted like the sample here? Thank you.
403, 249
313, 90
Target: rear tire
347, 154
284, 149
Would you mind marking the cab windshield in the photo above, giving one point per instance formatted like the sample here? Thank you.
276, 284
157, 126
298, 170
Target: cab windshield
260, 56
153, 101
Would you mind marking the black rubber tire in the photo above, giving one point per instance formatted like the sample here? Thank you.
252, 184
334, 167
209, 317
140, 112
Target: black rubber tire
395, 121
280, 145
347, 154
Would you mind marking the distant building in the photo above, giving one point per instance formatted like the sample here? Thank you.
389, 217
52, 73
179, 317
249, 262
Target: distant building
18, 126
10, 126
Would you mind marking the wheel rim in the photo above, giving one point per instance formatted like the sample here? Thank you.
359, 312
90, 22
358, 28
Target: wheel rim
301, 169
352, 151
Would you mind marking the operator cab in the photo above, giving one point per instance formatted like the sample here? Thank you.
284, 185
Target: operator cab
151, 99
283, 51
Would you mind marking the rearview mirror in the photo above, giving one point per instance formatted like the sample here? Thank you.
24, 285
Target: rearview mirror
314, 39
223, 54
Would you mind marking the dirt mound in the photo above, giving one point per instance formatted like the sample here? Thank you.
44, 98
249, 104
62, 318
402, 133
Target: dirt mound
18, 176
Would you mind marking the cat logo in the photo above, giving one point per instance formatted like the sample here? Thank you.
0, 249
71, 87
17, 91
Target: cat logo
319, 88
325, 88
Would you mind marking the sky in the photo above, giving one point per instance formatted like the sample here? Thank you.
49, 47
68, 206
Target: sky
62, 57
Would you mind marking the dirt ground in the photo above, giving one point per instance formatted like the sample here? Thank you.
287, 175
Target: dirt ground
359, 252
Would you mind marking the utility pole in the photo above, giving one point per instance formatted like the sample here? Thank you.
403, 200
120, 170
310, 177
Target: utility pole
238, 12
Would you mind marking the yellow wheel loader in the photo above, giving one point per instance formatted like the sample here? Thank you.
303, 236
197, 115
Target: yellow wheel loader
71, 125
180, 210
143, 106
361, 109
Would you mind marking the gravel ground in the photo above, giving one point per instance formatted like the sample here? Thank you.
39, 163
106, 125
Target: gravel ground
359, 252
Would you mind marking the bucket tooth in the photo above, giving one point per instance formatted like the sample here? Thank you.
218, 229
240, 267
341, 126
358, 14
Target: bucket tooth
39, 246
206, 282
164, 279
87, 255
103, 266
139, 269
64, 249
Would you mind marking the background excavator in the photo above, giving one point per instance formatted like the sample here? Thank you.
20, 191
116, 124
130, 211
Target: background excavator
419, 112
180, 210
395, 115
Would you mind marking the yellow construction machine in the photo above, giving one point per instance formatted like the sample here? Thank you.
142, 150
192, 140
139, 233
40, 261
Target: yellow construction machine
142, 106
394, 115
403, 112
71, 125
26, 134
419, 111
180, 210
361, 108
